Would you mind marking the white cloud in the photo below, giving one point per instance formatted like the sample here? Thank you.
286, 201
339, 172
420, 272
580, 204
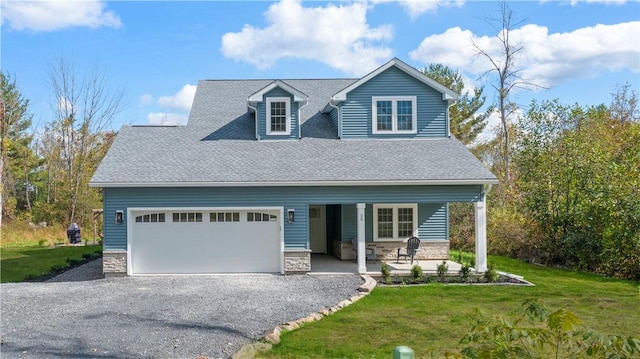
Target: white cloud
415, 8
607, 2
182, 100
55, 15
167, 118
547, 59
146, 99
338, 36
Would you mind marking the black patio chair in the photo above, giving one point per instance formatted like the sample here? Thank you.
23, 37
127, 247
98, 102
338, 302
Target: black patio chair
412, 248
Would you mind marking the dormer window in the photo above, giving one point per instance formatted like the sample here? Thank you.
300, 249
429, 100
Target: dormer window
278, 116
393, 115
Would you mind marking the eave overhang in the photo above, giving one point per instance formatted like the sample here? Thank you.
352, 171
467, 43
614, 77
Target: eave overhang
484, 181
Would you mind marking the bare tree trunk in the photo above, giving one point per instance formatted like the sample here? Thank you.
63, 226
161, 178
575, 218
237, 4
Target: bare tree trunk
503, 65
83, 107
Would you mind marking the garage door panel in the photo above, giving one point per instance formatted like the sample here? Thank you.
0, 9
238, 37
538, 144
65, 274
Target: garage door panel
206, 247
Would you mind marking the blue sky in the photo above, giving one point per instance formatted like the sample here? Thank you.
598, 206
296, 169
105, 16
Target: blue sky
158, 50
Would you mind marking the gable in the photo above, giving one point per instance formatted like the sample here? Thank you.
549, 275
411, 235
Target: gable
431, 110
447, 94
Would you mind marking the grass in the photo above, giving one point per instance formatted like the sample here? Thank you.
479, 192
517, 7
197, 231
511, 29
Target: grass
437, 316
20, 234
20, 263
28, 252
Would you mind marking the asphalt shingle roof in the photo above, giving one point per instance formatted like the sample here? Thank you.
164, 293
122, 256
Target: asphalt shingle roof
218, 146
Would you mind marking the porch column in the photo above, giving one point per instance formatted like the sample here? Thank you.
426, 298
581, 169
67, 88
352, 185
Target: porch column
362, 257
481, 234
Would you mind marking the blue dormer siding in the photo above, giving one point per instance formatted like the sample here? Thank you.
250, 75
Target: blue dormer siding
357, 114
262, 116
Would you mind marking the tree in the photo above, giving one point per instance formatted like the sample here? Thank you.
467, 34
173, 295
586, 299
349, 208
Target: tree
83, 109
16, 156
507, 73
624, 104
580, 179
465, 124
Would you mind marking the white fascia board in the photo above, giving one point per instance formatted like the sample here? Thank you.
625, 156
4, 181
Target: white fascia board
297, 95
297, 183
447, 94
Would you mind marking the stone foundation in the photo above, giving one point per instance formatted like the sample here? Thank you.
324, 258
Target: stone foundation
389, 250
297, 261
114, 263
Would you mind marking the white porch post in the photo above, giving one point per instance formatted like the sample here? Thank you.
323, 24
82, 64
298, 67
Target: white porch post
481, 234
362, 258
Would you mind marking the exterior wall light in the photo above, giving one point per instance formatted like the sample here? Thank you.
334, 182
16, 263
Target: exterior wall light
291, 215
119, 217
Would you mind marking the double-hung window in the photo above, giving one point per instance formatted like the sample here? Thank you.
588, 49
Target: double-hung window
278, 116
394, 114
395, 222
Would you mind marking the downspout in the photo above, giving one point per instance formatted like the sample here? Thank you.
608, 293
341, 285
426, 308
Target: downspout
255, 117
339, 118
451, 103
300, 118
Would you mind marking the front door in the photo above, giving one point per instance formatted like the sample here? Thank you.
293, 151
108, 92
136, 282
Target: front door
317, 229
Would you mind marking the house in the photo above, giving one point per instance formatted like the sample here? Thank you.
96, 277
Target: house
267, 172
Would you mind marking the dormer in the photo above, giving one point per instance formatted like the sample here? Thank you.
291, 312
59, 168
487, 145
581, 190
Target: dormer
277, 111
393, 101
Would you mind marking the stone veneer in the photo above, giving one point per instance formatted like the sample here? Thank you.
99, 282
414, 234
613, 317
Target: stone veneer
389, 250
114, 263
297, 261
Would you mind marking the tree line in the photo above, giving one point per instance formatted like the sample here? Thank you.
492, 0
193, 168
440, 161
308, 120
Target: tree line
45, 170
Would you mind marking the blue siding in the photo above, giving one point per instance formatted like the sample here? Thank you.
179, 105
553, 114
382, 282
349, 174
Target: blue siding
432, 219
334, 117
431, 108
432, 222
262, 116
298, 198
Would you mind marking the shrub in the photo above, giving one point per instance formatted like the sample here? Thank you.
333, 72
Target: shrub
443, 268
416, 272
491, 275
386, 272
465, 271
539, 334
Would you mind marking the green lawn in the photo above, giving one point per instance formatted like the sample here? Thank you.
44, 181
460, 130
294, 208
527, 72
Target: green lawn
437, 316
18, 263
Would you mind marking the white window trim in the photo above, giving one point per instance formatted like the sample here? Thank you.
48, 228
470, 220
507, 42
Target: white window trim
287, 102
394, 117
395, 207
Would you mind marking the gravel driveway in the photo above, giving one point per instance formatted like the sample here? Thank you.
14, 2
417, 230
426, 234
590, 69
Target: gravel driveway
157, 317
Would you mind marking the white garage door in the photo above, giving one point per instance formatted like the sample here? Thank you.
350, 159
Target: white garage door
196, 241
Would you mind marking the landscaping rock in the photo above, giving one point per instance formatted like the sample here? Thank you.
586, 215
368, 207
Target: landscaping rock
248, 351
273, 336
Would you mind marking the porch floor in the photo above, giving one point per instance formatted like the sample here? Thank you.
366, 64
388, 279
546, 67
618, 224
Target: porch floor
329, 264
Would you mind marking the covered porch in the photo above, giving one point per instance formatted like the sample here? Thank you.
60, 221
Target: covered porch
355, 223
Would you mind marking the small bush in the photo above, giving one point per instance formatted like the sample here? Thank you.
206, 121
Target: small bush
59, 268
72, 262
416, 272
491, 275
386, 272
465, 271
443, 268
